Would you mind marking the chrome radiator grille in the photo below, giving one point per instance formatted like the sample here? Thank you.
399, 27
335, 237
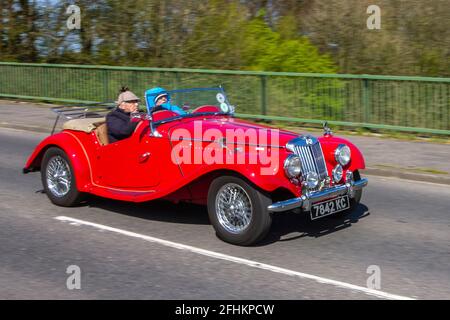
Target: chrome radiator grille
312, 159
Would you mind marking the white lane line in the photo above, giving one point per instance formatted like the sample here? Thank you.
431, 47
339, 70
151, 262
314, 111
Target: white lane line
250, 263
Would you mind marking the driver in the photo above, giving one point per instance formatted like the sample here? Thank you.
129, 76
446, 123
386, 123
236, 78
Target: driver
119, 121
159, 99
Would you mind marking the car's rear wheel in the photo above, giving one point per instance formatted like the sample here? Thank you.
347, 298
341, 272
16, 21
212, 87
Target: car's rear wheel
238, 211
58, 178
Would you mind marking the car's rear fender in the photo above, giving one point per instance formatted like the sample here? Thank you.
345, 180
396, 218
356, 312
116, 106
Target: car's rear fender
74, 150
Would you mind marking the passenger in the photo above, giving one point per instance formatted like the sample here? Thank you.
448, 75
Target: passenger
119, 122
159, 99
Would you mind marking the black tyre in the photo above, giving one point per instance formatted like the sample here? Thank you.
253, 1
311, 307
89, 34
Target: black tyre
58, 178
238, 211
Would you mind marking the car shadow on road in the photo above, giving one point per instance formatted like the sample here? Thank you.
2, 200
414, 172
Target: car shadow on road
157, 210
286, 226
300, 225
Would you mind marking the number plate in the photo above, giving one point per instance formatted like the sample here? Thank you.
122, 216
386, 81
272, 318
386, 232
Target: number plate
325, 208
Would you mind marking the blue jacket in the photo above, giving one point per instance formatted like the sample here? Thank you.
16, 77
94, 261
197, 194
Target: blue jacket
150, 96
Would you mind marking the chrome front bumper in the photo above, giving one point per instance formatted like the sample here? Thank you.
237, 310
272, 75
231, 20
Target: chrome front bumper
306, 200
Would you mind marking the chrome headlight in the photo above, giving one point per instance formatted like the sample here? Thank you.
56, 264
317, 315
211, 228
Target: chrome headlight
292, 166
342, 154
338, 172
312, 180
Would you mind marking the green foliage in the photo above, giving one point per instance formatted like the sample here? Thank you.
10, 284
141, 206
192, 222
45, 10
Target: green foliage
284, 35
317, 36
284, 51
269, 50
216, 40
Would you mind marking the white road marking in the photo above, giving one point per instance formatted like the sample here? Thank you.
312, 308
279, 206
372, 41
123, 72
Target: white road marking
250, 263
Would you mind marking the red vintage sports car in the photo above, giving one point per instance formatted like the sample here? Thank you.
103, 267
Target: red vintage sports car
244, 172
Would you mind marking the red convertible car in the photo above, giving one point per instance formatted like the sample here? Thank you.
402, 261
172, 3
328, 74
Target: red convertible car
244, 172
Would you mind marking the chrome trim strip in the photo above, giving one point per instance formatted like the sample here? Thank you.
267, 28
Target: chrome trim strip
306, 159
310, 159
230, 143
305, 201
320, 161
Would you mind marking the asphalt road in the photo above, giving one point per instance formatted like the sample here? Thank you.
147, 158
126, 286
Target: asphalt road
401, 226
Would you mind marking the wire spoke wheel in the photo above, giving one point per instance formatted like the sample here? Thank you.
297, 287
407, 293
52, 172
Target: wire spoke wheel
238, 211
58, 176
234, 208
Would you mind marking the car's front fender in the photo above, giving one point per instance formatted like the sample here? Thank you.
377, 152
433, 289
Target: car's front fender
263, 168
329, 145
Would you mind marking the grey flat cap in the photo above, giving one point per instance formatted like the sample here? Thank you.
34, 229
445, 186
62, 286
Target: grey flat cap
127, 96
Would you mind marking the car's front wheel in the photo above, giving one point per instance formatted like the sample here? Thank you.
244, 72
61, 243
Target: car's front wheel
58, 178
238, 211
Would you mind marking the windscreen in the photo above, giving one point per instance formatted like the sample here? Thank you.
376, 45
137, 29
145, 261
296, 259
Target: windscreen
191, 101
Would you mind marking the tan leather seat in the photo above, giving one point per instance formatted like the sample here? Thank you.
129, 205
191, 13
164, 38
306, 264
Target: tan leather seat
83, 124
102, 134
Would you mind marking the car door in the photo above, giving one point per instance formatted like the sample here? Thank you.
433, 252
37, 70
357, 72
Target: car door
129, 163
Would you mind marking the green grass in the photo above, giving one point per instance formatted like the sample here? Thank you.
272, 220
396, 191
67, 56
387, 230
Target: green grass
416, 169
385, 134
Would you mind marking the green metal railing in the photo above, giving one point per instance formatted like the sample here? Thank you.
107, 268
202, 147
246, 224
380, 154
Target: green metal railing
416, 104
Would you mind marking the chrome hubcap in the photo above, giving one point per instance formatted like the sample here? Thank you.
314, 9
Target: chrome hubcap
233, 208
58, 176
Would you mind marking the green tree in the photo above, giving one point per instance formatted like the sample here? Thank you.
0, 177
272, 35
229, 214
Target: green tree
17, 30
274, 51
216, 40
